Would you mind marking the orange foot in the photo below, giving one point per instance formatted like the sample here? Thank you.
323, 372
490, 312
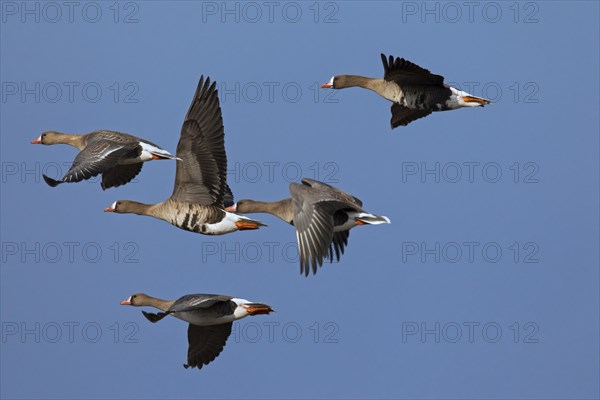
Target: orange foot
245, 224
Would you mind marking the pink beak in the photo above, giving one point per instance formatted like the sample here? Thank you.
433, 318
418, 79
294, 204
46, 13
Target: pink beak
231, 209
37, 141
111, 208
327, 85
126, 302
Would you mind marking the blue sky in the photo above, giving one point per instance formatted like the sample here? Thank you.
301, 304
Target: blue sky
485, 285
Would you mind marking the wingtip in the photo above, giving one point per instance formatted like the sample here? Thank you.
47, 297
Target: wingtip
51, 182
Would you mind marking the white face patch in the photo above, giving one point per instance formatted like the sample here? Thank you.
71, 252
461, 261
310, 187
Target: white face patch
114, 206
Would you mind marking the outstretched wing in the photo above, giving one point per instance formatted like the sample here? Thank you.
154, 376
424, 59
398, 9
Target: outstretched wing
120, 175
402, 116
97, 157
403, 72
201, 176
206, 343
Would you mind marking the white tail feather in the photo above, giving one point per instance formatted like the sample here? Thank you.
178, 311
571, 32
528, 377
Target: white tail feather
373, 219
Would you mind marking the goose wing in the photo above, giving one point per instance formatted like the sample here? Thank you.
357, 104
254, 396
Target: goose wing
206, 343
120, 175
313, 219
201, 176
402, 116
404, 72
97, 157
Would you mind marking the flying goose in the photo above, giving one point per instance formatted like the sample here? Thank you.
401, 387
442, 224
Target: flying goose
201, 192
323, 216
210, 317
119, 157
415, 91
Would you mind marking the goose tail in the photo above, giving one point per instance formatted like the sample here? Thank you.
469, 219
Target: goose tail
371, 219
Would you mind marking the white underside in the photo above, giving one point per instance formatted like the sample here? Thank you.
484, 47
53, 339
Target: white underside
147, 151
226, 225
456, 100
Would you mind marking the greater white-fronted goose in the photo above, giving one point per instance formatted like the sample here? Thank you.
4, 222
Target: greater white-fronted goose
201, 192
323, 216
415, 91
119, 157
210, 317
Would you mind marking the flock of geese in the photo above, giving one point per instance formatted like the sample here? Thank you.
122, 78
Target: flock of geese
202, 201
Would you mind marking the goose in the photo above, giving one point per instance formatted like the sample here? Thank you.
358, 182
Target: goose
415, 91
200, 193
119, 157
210, 317
322, 215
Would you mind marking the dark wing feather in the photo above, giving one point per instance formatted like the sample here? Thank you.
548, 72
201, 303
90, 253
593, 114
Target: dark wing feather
120, 175
339, 242
195, 301
201, 176
228, 197
313, 220
403, 72
402, 116
206, 343
97, 157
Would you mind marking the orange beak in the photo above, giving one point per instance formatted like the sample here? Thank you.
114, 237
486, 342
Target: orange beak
111, 208
126, 302
327, 85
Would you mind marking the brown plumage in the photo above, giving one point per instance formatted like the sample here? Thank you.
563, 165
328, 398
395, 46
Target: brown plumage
119, 157
200, 191
323, 216
210, 319
415, 91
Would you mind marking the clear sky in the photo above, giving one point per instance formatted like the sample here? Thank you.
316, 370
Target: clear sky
485, 285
